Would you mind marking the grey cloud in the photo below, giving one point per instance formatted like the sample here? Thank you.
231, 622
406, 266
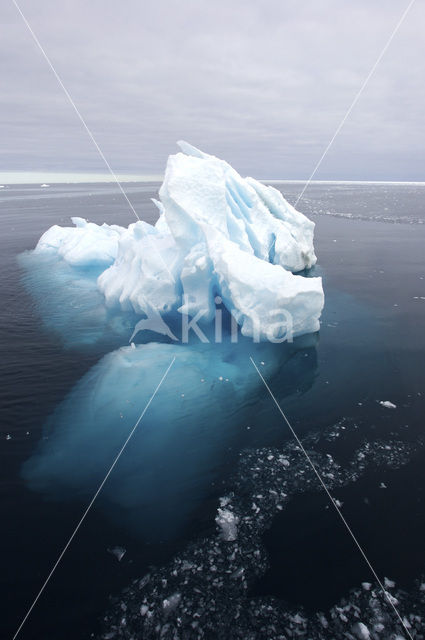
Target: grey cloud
263, 84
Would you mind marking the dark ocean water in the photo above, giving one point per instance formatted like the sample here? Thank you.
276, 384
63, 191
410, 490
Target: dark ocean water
370, 242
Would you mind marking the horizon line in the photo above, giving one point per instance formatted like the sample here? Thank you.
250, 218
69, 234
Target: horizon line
43, 178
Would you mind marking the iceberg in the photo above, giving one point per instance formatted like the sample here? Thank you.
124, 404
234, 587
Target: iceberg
218, 235
223, 247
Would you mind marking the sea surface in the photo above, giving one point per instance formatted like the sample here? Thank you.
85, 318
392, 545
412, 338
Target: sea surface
370, 242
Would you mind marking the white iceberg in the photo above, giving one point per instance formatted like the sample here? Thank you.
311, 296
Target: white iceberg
218, 234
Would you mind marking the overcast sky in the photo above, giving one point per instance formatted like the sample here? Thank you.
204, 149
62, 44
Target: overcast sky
263, 84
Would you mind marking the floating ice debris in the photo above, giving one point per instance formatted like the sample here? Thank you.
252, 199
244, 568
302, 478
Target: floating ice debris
382, 485
298, 619
361, 631
387, 404
118, 552
8, 437
228, 523
338, 503
389, 584
44, 185
170, 603
218, 236
211, 579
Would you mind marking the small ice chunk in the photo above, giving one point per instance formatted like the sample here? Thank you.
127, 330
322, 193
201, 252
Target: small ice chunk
238, 573
387, 404
298, 619
366, 586
144, 581
284, 461
338, 503
44, 185
391, 599
8, 437
170, 603
389, 584
118, 552
361, 631
323, 621
228, 523
144, 609
382, 485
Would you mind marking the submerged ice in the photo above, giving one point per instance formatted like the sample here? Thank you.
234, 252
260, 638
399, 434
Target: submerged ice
190, 429
218, 234
221, 241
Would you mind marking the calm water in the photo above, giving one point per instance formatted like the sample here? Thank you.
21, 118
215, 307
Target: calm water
370, 241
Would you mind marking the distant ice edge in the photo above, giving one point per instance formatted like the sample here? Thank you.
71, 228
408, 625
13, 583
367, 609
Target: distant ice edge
218, 234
